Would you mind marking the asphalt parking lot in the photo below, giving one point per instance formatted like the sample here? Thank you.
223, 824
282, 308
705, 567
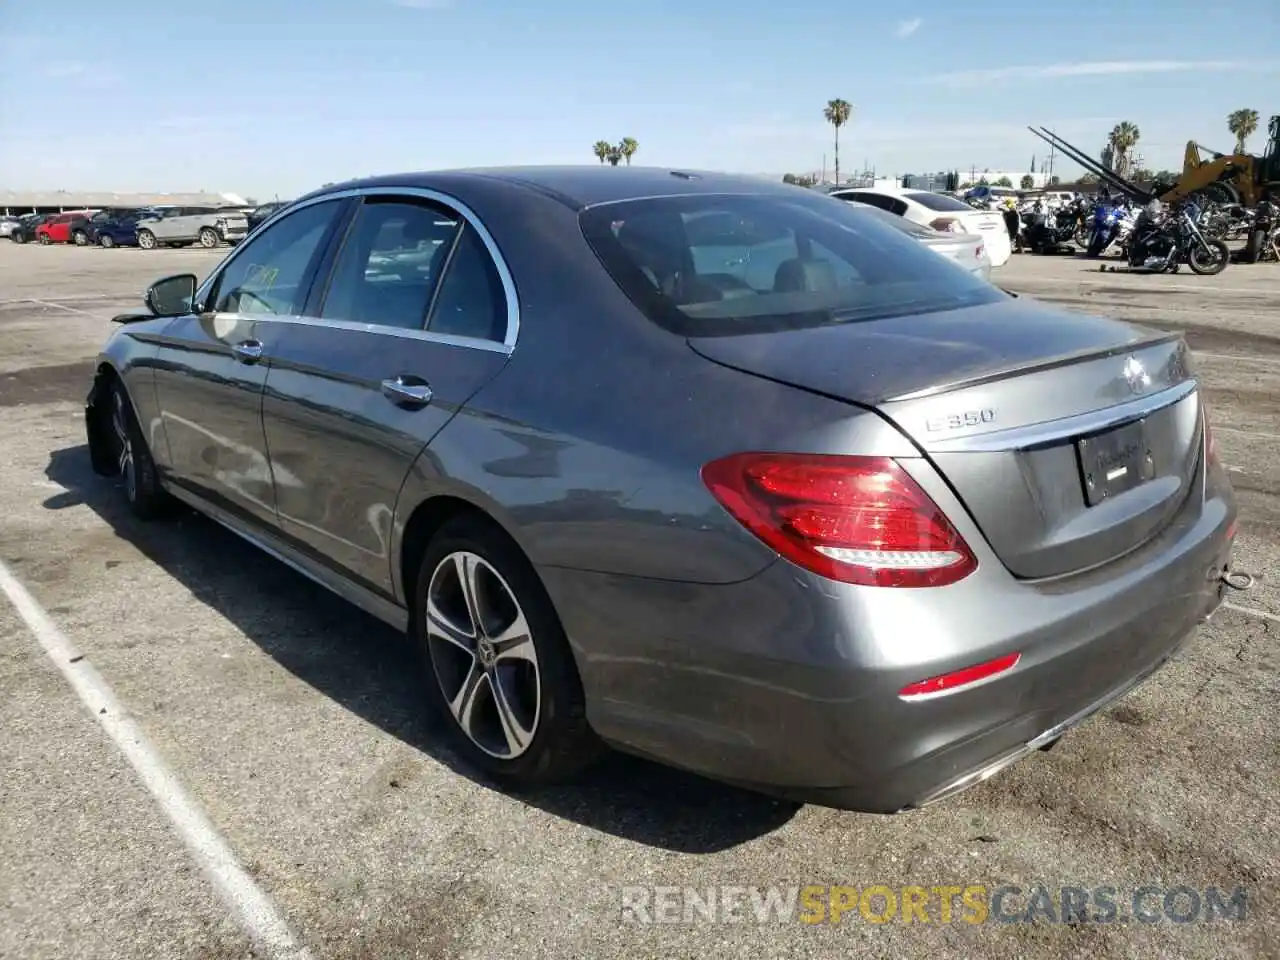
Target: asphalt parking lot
294, 723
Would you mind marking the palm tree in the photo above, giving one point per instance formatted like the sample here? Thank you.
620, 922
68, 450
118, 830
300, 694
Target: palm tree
614, 155
601, 150
838, 113
1124, 137
628, 148
1242, 123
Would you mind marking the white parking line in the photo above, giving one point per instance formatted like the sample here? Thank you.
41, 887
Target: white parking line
1251, 611
1193, 287
1272, 361
258, 916
1246, 433
56, 306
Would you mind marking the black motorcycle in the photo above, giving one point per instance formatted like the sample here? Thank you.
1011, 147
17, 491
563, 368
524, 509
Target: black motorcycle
1052, 231
1264, 235
1163, 244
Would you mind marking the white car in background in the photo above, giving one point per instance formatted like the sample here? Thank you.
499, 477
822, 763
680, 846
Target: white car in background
963, 249
939, 212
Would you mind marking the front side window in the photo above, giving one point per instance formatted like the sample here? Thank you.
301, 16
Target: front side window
271, 273
390, 264
708, 265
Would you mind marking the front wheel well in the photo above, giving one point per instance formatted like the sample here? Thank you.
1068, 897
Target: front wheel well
97, 415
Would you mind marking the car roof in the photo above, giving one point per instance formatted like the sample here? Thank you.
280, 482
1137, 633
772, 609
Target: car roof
580, 186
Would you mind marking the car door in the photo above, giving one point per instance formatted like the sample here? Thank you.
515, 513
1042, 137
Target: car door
210, 374
166, 226
414, 320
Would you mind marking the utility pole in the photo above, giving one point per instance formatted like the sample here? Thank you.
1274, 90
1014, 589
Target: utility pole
824, 168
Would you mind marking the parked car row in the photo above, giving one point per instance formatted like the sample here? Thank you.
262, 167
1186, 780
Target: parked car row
148, 227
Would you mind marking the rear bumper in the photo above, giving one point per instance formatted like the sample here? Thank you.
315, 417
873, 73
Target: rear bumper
999, 246
788, 684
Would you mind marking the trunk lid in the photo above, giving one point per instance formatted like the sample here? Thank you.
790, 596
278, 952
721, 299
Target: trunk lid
984, 222
1071, 440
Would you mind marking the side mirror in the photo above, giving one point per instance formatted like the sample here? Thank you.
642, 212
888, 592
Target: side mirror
172, 296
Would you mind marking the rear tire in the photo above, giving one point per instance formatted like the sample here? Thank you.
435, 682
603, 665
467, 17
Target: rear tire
147, 499
498, 666
106, 242
80, 238
1209, 264
146, 240
1252, 251
209, 238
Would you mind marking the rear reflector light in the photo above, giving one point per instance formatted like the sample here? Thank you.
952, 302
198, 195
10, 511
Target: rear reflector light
967, 677
859, 520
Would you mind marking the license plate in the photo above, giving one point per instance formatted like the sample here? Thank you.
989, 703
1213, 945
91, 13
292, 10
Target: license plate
1115, 461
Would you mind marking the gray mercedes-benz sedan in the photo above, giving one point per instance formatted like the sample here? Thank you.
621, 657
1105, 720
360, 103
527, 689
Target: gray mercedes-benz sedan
704, 468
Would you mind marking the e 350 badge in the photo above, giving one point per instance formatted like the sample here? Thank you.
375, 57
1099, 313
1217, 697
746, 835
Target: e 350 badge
954, 421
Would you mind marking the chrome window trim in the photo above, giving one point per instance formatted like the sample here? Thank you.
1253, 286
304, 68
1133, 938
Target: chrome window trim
473, 221
448, 339
1039, 435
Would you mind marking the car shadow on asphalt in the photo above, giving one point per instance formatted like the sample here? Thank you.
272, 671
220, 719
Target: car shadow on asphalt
370, 669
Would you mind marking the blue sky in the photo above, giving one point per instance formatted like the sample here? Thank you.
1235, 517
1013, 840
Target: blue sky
279, 96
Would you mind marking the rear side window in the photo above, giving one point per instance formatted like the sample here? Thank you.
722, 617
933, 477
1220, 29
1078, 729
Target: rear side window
390, 264
709, 265
936, 201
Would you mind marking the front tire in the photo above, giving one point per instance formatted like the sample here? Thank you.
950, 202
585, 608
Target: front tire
43, 239
498, 664
1208, 263
147, 499
146, 240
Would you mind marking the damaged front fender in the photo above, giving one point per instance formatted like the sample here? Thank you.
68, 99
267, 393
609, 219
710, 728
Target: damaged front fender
97, 424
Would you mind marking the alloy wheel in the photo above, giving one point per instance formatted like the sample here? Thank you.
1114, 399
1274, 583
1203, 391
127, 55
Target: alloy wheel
483, 656
120, 424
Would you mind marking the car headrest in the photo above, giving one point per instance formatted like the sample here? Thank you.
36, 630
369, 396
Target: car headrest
656, 242
799, 274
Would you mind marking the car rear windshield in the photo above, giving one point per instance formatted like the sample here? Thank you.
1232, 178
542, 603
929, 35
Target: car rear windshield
902, 224
936, 201
717, 265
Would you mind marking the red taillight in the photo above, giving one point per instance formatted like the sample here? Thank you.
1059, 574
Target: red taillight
859, 520
950, 682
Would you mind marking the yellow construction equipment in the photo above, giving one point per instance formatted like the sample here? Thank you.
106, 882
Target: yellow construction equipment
1229, 177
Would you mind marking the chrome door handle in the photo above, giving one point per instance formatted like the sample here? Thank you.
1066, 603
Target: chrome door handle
407, 391
248, 351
